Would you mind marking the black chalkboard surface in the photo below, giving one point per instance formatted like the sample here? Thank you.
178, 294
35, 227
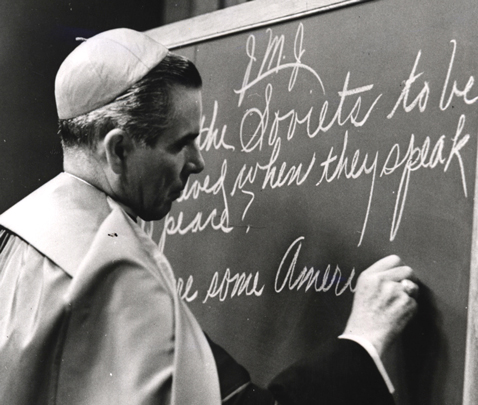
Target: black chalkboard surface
331, 140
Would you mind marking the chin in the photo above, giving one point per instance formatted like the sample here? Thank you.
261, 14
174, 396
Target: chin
157, 214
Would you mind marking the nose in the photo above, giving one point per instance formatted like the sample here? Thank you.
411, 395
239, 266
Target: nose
195, 160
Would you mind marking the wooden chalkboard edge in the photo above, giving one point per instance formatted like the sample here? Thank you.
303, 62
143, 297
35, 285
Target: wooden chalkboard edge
470, 386
239, 18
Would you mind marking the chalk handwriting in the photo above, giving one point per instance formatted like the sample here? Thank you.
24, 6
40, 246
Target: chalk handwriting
257, 151
272, 62
309, 277
427, 156
273, 175
178, 225
455, 91
209, 136
240, 283
421, 157
256, 123
352, 170
184, 292
229, 285
422, 98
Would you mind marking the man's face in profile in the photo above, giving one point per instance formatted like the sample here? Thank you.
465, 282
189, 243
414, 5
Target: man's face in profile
155, 176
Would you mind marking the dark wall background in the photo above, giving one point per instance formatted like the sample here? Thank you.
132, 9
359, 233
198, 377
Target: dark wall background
35, 38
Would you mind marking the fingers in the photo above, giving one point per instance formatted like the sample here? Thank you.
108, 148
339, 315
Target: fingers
410, 305
405, 307
384, 302
391, 268
386, 263
401, 274
398, 274
410, 288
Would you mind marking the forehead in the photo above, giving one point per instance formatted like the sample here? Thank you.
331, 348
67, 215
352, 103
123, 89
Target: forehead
185, 100
185, 112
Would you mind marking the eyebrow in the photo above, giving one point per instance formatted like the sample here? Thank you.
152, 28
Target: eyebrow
186, 138
191, 136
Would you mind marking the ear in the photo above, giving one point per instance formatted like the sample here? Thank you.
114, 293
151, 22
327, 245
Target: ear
118, 146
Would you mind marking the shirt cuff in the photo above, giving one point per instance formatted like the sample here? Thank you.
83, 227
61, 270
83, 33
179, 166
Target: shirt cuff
374, 355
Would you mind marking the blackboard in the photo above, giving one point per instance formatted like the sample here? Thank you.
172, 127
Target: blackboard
333, 136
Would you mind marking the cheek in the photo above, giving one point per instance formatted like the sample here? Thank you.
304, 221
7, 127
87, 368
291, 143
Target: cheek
172, 172
164, 179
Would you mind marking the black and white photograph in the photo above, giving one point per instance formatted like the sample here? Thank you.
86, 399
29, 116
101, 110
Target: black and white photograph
238, 202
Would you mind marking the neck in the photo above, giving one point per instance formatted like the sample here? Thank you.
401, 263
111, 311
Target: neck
83, 165
86, 166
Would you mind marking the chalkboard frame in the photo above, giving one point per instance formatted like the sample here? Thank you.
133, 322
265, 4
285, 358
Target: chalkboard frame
239, 18
470, 386
262, 13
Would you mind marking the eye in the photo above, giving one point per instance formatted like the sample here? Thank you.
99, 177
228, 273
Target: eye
178, 146
183, 142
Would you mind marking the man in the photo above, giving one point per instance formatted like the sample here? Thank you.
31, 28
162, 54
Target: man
89, 311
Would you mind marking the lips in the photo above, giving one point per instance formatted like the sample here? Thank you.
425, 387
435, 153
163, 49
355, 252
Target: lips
176, 194
178, 191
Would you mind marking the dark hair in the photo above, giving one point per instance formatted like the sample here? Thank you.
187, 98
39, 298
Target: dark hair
144, 110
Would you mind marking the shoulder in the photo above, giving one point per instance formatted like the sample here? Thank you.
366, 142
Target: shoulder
120, 340
120, 254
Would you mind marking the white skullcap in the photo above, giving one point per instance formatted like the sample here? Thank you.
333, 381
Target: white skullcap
103, 67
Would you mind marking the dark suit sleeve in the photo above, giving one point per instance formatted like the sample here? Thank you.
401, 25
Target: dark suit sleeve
235, 381
340, 372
